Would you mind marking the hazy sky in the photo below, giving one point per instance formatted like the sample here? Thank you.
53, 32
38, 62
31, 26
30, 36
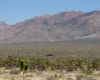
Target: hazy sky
14, 11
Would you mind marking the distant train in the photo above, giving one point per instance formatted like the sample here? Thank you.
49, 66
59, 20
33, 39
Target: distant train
59, 55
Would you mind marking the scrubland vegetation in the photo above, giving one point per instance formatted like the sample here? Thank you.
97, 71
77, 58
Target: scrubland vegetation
81, 49
84, 65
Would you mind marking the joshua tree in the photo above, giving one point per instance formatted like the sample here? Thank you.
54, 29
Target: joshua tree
57, 63
6, 64
1, 62
52, 68
38, 63
14, 62
71, 64
95, 64
24, 65
45, 65
61, 66
32, 63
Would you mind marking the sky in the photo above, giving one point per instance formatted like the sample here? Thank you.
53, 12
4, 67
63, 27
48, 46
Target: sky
14, 11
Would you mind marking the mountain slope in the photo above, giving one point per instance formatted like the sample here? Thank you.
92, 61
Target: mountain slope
85, 24
3, 26
59, 27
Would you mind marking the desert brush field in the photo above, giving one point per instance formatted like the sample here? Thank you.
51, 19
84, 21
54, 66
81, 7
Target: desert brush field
78, 60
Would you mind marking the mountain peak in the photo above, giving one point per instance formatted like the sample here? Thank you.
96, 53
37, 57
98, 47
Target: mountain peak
80, 11
3, 25
2, 22
44, 16
96, 12
47, 15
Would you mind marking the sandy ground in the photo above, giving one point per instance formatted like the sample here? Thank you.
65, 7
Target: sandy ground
48, 75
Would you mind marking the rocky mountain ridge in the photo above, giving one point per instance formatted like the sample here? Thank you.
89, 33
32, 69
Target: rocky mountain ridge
59, 27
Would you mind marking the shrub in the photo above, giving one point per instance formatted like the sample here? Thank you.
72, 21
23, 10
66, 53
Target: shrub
55, 75
88, 72
14, 72
79, 77
12, 79
60, 76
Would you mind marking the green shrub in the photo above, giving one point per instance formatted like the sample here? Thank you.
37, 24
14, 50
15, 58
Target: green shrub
88, 72
79, 77
55, 75
12, 79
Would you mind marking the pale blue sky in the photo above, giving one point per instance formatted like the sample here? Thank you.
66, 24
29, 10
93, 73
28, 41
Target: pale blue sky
14, 11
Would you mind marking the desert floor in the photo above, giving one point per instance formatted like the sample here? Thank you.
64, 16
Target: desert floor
47, 75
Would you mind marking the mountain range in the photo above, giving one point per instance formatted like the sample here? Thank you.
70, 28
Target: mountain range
63, 26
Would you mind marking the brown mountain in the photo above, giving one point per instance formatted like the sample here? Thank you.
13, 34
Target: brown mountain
59, 27
3, 25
